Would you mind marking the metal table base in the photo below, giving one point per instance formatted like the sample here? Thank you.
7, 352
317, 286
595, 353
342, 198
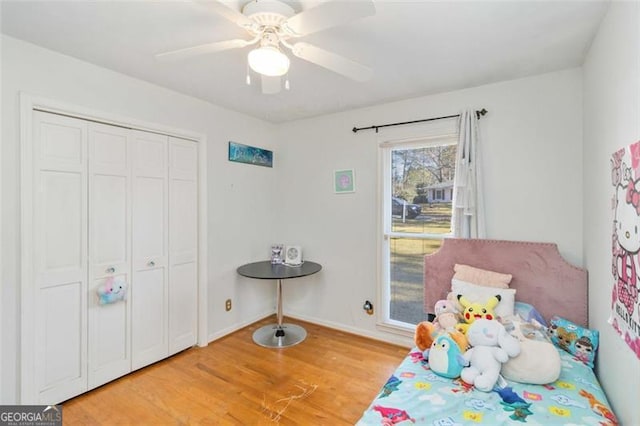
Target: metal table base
279, 335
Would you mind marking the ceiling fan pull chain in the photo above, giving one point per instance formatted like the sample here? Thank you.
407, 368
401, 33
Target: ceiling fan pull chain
248, 76
286, 82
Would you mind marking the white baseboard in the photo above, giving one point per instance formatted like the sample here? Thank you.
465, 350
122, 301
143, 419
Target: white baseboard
381, 336
395, 339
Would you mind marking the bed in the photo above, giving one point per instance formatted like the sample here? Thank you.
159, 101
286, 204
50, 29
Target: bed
542, 278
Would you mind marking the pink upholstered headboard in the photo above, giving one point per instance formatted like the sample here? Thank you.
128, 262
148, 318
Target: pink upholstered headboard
541, 276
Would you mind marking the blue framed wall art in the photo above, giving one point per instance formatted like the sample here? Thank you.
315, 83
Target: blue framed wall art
240, 153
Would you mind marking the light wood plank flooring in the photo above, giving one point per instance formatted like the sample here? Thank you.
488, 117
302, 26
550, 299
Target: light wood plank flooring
329, 379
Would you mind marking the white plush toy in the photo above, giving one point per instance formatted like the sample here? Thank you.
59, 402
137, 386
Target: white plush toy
491, 346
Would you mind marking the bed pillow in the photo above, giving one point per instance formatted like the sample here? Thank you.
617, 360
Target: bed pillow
528, 312
481, 276
580, 342
480, 294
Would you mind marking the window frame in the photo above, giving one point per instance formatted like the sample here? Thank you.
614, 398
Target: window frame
385, 221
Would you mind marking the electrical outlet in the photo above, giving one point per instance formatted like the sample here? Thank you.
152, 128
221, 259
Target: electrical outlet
227, 305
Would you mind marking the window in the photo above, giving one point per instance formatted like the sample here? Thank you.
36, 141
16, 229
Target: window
417, 181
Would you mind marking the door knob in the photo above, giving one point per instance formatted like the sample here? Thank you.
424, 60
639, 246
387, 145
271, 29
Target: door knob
111, 270
151, 263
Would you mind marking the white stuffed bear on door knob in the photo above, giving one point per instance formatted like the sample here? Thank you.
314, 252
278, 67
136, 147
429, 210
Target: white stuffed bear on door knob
491, 347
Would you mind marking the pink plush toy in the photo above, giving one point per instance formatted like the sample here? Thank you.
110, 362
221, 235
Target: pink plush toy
111, 291
447, 315
446, 319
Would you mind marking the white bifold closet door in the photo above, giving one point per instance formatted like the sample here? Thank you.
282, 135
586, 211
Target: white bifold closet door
60, 257
165, 241
110, 250
109, 203
150, 289
183, 235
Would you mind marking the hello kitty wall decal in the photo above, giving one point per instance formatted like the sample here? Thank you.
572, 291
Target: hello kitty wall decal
625, 259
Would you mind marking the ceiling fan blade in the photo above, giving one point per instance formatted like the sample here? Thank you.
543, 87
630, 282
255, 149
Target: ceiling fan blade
270, 85
227, 12
332, 61
328, 14
201, 49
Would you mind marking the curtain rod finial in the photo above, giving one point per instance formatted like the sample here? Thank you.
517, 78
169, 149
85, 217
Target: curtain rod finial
482, 112
354, 130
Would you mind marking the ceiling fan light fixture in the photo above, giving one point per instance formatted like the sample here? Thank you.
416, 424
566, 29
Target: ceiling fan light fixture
269, 61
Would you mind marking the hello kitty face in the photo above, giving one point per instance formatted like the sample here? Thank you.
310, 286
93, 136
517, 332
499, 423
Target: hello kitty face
628, 216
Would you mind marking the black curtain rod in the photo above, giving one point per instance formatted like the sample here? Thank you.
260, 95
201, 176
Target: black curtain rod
356, 129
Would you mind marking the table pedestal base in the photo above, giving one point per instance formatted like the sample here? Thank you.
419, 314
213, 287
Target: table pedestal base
275, 336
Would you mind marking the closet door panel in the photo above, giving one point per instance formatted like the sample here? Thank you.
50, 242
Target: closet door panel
61, 219
61, 281
110, 251
61, 143
183, 308
150, 320
150, 154
62, 311
110, 216
184, 221
183, 249
60, 338
109, 149
110, 200
183, 157
150, 217
149, 310
60, 257
109, 347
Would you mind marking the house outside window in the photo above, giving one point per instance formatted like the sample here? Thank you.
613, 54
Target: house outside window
441, 191
417, 183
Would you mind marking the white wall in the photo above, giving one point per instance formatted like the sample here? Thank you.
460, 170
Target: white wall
533, 158
532, 142
241, 216
611, 121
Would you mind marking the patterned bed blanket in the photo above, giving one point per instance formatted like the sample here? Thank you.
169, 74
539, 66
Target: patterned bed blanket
415, 395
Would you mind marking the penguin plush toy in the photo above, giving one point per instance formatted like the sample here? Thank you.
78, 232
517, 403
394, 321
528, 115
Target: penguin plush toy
445, 357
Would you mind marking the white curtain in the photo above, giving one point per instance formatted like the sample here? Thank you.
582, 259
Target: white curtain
468, 202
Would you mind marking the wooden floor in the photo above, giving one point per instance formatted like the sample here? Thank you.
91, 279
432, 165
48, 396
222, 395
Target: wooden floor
329, 379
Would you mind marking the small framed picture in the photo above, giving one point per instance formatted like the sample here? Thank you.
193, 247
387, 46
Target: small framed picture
276, 253
344, 181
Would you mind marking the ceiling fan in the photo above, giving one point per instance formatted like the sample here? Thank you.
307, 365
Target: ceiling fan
272, 25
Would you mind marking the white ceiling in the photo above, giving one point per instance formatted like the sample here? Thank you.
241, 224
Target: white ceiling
414, 47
